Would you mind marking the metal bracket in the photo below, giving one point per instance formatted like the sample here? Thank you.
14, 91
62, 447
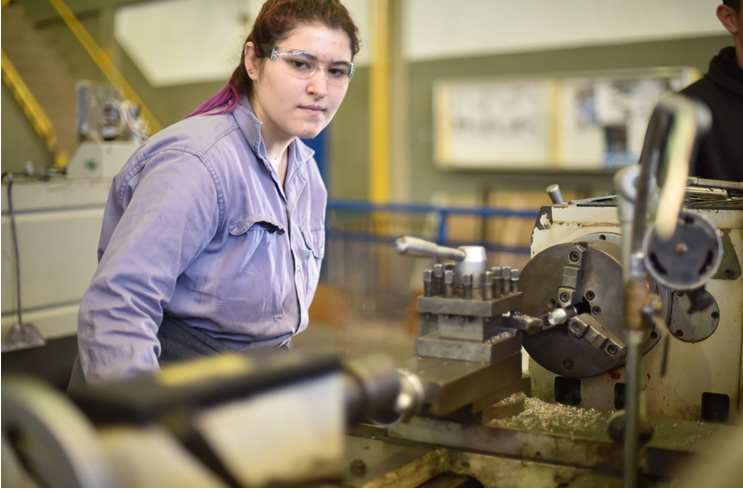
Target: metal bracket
729, 264
572, 272
586, 327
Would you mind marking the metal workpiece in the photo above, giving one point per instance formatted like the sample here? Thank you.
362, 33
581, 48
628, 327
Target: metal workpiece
689, 258
452, 384
504, 344
561, 315
469, 307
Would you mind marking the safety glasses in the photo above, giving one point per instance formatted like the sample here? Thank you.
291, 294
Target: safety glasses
304, 65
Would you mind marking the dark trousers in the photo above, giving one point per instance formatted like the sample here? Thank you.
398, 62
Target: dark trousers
180, 342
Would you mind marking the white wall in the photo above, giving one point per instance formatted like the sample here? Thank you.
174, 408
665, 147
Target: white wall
184, 41
447, 28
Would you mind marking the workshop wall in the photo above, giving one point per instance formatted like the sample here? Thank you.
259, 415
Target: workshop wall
349, 153
694, 52
21, 144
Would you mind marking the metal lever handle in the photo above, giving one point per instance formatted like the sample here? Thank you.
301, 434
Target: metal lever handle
414, 246
555, 195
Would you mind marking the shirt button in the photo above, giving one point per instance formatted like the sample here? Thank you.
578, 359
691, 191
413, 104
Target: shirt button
297, 267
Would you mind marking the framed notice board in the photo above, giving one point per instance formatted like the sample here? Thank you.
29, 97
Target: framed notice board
590, 121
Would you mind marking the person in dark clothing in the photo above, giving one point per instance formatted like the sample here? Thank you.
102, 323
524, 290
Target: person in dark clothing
720, 154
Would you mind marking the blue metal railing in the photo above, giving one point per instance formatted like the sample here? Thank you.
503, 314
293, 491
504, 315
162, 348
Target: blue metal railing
442, 212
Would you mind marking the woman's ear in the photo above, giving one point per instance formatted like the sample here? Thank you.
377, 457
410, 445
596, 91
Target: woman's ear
251, 60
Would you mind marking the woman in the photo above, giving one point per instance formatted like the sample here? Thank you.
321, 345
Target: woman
213, 233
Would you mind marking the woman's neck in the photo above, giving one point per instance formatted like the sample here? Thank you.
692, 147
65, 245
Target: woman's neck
278, 156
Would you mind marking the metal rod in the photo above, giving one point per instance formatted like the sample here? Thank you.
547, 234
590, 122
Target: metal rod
438, 276
715, 183
497, 281
467, 282
427, 283
514, 280
487, 286
505, 280
15, 247
449, 283
632, 410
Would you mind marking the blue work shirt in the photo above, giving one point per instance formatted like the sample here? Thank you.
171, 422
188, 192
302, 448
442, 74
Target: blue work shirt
198, 227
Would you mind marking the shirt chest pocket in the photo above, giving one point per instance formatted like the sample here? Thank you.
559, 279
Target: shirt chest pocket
254, 279
314, 242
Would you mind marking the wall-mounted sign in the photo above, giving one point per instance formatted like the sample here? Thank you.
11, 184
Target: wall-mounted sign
572, 122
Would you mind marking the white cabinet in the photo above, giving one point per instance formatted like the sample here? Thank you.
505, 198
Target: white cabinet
58, 224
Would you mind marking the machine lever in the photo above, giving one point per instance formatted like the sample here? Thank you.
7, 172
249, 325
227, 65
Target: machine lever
553, 191
413, 246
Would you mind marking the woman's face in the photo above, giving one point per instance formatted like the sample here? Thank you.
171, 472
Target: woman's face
290, 106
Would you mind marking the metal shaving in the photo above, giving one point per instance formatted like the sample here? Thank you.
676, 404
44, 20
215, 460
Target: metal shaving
504, 335
512, 398
539, 415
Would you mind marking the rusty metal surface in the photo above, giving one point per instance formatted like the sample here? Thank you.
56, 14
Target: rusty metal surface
380, 463
440, 346
469, 307
570, 440
389, 463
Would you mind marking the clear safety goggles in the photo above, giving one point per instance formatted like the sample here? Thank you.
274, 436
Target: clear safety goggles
304, 65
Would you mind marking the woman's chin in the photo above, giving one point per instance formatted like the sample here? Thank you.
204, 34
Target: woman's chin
309, 132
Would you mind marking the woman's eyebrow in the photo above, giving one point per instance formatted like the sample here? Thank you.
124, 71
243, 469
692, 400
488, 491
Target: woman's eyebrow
315, 57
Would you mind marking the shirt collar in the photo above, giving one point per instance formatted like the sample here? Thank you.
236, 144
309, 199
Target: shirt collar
250, 126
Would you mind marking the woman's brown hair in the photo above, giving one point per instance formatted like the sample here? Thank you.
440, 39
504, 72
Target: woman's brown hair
276, 19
